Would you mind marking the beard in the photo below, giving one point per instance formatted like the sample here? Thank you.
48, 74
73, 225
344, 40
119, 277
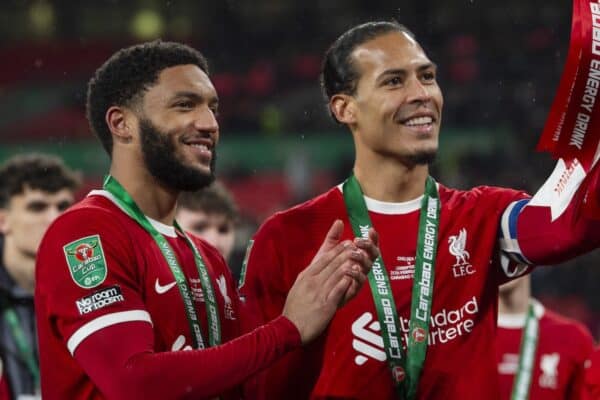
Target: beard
425, 157
160, 158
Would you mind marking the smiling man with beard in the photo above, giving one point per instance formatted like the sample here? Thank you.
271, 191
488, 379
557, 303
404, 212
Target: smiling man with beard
441, 248
160, 158
121, 288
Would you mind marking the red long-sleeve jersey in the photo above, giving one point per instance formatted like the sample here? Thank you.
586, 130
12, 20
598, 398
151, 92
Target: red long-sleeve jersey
111, 321
478, 229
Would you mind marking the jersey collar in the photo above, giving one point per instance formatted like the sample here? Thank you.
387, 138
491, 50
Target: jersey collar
390, 208
514, 321
167, 230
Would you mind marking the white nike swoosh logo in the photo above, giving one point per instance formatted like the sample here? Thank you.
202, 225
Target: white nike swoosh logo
163, 289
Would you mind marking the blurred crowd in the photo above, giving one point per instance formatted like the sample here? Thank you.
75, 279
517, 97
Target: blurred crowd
499, 63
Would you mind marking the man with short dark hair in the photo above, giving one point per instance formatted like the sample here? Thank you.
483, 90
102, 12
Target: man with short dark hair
34, 190
444, 252
211, 214
121, 288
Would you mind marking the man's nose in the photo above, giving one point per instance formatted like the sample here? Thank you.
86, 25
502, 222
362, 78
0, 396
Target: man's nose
206, 120
417, 91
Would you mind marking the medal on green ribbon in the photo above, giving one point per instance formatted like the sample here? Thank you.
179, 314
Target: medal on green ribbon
529, 341
405, 366
214, 325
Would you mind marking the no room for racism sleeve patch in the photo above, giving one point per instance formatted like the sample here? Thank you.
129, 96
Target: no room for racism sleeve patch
86, 261
99, 299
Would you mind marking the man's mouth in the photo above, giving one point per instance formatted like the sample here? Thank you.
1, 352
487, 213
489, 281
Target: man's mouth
419, 121
201, 147
420, 124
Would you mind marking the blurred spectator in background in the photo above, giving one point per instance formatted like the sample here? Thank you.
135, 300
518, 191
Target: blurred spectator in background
592, 377
560, 347
34, 190
210, 213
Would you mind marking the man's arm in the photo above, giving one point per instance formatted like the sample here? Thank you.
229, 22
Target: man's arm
532, 233
121, 362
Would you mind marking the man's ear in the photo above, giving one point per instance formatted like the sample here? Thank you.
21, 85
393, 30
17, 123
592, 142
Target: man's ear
343, 108
119, 121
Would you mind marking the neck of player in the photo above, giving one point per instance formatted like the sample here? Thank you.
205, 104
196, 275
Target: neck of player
156, 200
514, 297
20, 265
389, 179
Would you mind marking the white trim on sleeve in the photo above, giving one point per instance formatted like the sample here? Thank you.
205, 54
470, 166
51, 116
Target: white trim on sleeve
105, 321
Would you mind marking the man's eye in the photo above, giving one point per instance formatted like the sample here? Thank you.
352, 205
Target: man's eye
224, 229
395, 81
37, 206
429, 76
63, 205
184, 104
200, 227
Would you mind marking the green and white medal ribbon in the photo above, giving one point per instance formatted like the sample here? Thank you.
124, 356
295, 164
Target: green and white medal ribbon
529, 342
214, 324
405, 366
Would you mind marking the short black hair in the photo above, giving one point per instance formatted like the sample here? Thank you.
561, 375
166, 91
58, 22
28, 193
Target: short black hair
127, 74
35, 171
338, 72
213, 199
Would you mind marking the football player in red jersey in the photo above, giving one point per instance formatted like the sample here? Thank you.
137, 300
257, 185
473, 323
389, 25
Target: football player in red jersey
557, 346
121, 288
444, 252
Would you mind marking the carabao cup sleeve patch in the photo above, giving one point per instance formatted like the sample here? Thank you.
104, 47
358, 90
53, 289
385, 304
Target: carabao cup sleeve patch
86, 261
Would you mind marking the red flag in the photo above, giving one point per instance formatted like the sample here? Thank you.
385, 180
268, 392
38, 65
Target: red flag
555, 122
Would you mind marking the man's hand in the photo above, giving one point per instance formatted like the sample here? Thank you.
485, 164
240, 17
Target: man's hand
334, 276
370, 248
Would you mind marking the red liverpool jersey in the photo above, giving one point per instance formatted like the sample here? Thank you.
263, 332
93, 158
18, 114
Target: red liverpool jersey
128, 281
563, 346
348, 362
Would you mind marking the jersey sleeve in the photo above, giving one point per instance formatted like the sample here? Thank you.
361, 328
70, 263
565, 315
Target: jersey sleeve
497, 204
548, 230
122, 364
85, 277
262, 286
264, 289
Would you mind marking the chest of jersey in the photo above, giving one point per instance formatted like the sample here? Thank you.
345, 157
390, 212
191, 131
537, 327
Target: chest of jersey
350, 358
164, 302
463, 306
